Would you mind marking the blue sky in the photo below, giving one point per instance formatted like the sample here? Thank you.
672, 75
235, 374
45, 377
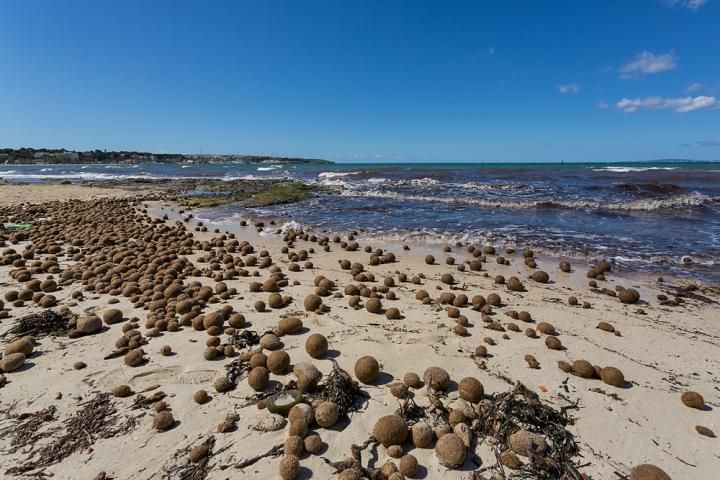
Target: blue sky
385, 80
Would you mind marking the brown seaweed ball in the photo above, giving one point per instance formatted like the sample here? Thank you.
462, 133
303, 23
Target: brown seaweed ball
259, 306
270, 341
422, 434
392, 313
510, 460
565, 267
258, 359
290, 325
316, 345
165, 350
222, 384
515, 285
429, 259
275, 300
524, 316
628, 295
89, 324
312, 303
648, 472
471, 389
390, 430
367, 369
22, 345
289, 467
313, 443
705, 431
583, 368
481, 351
565, 366
522, 442
693, 400
327, 414
236, 320
294, 445
258, 378
605, 326
437, 377
122, 391
540, 276
553, 343
278, 362
447, 279
201, 396
373, 305
494, 300
460, 331
210, 353
612, 376
307, 375
163, 420
450, 450
412, 380
408, 465
197, 453
546, 328
112, 316
573, 301
134, 358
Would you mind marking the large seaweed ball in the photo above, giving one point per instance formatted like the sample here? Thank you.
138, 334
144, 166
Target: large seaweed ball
222, 384
494, 300
294, 445
258, 378
12, 362
391, 430
112, 316
289, 467
481, 351
278, 362
612, 376
693, 400
648, 472
408, 465
553, 343
546, 328
201, 396
412, 380
313, 443
583, 368
515, 285
327, 414
22, 345
308, 376
447, 279
522, 441
628, 295
471, 389
275, 300
573, 301
373, 305
565, 366
163, 420
236, 320
422, 435
392, 313
290, 325
429, 259
524, 316
565, 267
367, 369
437, 377
316, 345
122, 391
450, 450
312, 303
134, 358
540, 276
89, 324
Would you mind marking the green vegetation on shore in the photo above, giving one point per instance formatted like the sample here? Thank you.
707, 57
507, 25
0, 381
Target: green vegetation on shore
256, 193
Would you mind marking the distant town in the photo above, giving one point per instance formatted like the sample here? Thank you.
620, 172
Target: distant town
16, 156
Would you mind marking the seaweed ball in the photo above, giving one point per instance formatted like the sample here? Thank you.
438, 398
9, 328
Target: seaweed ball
693, 400
163, 420
373, 305
471, 389
391, 430
312, 303
648, 472
289, 467
367, 369
612, 376
327, 414
583, 368
437, 377
316, 345
450, 450
258, 378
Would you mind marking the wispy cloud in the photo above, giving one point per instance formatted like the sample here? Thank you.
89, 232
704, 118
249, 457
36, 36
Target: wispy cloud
602, 106
679, 105
569, 88
693, 87
709, 143
689, 4
648, 63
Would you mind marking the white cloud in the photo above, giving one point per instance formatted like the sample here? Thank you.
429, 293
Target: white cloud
693, 87
602, 106
569, 88
648, 63
689, 4
679, 105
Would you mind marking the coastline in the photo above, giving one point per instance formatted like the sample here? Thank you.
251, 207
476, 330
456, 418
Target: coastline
662, 353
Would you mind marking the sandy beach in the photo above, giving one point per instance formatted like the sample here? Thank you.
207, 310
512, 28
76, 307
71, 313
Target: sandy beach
105, 249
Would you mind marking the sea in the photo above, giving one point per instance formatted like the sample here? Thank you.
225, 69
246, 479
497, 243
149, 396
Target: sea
656, 217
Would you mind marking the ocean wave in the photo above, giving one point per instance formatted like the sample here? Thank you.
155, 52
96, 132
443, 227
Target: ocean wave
336, 174
419, 182
270, 168
691, 200
617, 169
7, 172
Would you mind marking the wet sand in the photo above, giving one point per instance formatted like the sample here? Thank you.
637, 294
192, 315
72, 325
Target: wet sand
662, 350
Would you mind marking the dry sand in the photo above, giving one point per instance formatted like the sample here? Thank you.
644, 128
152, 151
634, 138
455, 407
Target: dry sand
662, 353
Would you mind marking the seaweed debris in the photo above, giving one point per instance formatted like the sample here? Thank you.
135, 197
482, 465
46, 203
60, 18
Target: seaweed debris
340, 388
242, 339
24, 430
47, 323
97, 419
187, 470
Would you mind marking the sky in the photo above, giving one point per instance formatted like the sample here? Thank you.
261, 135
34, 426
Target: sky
365, 81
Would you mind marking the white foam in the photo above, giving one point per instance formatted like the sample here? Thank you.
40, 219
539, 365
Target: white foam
336, 174
617, 169
270, 168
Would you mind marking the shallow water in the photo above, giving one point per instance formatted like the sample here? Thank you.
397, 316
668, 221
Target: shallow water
656, 217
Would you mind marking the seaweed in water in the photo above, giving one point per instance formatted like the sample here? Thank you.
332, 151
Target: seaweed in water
97, 419
339, 387
506, 413
47, 323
